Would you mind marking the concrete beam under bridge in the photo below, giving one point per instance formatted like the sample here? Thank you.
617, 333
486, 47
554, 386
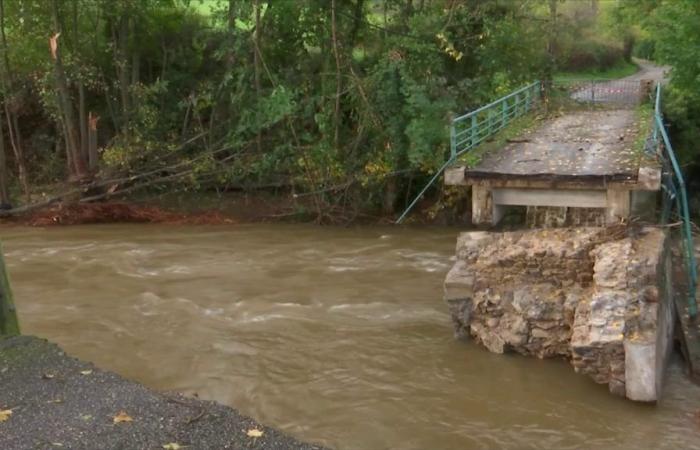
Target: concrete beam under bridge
489, 205
491, 196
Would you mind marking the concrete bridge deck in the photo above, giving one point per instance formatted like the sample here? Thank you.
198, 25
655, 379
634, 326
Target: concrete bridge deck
583, 159
593, 146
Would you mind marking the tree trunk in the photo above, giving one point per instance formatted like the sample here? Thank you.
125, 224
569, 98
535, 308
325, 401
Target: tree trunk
79, 169
82, 118
338, 76
256, 64
551, 62
121, 41
551, 42
12, 123
4, 195
83, 121
231, 14
358, 17
92, 142
390, 193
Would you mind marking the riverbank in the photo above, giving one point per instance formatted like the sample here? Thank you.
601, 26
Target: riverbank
50, 400
202, 208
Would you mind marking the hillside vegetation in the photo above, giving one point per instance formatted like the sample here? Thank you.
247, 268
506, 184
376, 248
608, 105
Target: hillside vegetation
343, 103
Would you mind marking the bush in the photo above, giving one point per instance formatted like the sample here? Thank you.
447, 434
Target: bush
644, 49
591, 55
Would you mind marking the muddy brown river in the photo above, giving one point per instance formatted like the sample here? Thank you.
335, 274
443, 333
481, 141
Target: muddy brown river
336, 336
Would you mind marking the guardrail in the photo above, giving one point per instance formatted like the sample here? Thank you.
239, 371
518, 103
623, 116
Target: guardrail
674, 192
471, 129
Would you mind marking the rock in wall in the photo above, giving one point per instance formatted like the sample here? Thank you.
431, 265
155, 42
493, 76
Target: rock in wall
578, 293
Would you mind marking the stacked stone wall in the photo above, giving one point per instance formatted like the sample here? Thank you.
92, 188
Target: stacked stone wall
577, 293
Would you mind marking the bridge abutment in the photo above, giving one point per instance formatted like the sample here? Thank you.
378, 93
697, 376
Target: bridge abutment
600, 297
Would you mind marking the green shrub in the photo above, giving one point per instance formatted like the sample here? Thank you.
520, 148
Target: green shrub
591, 55
645, 49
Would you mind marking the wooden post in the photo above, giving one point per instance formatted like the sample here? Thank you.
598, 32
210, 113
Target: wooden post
9, 325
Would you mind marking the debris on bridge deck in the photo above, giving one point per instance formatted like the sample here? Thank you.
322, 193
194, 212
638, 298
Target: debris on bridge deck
595, 145
592, 160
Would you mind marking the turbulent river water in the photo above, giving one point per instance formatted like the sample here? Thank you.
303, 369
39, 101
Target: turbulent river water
336, 336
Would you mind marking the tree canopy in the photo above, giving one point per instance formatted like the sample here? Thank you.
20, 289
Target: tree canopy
346, 101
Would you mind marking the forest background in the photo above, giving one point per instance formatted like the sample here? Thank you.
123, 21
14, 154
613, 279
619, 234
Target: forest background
339, 107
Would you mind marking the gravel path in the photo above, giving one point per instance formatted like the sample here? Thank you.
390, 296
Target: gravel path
647, 71
59, 402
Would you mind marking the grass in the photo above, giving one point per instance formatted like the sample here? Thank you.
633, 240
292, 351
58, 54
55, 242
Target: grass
644, 116
620, 70
515, 128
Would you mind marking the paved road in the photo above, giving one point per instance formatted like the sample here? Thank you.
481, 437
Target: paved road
648, 71
623, 91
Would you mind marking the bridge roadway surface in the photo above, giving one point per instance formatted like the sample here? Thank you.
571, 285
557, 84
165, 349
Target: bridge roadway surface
579, 146
594, 146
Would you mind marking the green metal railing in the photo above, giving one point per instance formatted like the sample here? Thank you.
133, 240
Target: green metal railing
471, 129
674, 193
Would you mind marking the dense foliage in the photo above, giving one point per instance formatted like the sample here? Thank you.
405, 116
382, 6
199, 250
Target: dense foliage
344, 102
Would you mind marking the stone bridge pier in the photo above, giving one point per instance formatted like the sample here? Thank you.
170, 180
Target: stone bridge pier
601, 297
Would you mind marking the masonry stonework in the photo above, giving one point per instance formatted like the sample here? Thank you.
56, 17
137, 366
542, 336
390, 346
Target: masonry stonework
585, 294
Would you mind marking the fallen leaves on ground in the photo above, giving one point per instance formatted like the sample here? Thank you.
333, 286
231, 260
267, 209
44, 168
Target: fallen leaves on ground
123, 417
5, 414
173, 446
254, 433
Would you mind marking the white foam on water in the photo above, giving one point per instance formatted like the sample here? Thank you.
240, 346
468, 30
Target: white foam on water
343, 269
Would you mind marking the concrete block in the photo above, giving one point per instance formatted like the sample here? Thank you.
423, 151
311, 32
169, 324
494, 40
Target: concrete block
581, 198
454, 176
618, 201
459, 283
648, 179
497, 213
640, 370
481, 205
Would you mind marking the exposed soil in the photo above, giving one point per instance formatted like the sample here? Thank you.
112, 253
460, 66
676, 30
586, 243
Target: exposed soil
116, 212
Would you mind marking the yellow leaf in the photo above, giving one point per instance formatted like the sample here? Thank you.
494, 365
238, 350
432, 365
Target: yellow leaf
254, 433
5, 414
123, 417
173, 446
86, 372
